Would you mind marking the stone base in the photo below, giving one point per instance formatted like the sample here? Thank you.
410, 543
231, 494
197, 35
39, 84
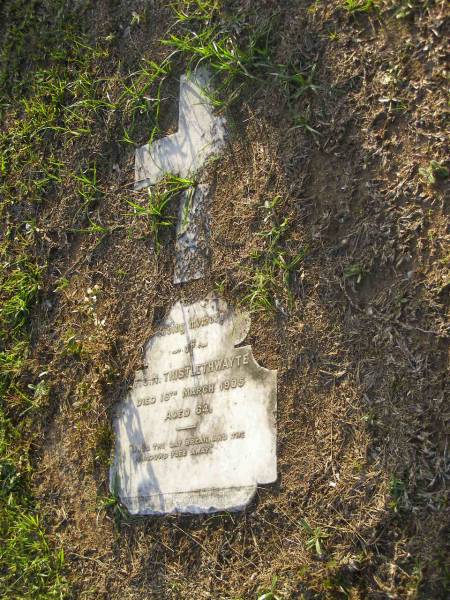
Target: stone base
196, 502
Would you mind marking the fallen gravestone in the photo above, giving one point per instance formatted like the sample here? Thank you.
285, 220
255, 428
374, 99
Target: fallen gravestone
196, 432
200, 136
192, 235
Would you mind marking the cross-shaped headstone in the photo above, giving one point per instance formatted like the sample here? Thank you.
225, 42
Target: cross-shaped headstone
200, 135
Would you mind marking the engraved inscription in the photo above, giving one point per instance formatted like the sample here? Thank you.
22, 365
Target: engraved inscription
196, 431
207, 367
194, 323
199, 390
232, 383
177, 414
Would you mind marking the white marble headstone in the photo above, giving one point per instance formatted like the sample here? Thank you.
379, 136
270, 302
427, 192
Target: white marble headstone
196, 432
192, 235
200, 135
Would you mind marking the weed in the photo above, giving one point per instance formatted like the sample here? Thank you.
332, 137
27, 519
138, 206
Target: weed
360, 6
294, 82
273, 272
18, 292
61, 284
141, 95
288, 266
260, 295
104, 444
303, 122
370, 418
156, 209
87, 189
111, 503
189, 11
271, 594
40, 391
72, 345
333, 36
29, 569
11, 362
416, 578
433, 172
219, 286
223, 54
93, 228
355, 271
397, 491
214, 42
316, 537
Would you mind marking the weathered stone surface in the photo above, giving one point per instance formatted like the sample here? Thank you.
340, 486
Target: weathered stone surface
197, 431
200, 135
192, 237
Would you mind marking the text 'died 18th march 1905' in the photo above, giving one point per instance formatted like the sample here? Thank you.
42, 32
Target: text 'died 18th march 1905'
197, 430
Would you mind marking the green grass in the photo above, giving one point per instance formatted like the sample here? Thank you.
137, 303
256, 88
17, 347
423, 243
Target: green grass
18, 292
399, 498
270, 281
29, 567
205, 34
355, 272
360, 6
316, 537
141, 95
88, 191
156, 211
434, 171
271, 593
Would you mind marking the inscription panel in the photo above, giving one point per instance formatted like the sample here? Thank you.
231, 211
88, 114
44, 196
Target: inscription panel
197, 429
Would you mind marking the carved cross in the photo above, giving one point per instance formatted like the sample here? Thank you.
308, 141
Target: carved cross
200, 135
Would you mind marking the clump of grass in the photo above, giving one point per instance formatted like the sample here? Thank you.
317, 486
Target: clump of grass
87, 187
18, 291
434, 171
111, 503
141, 96
399, 497
360, 6
260, 296
188, 11
156, 210
206, 35
104, 442
29, 568
271, 277
354, 271
316, 538
270, 594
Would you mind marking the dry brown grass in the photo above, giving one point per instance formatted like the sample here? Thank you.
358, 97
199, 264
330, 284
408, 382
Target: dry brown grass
362, 364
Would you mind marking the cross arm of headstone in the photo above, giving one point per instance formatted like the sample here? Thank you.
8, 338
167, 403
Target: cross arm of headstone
200, 136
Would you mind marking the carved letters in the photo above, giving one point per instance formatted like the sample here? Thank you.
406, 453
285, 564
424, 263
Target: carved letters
199, 420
